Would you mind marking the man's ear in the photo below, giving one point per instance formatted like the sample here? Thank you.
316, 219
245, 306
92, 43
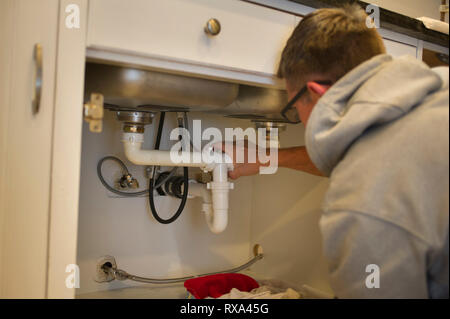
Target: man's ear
316, 90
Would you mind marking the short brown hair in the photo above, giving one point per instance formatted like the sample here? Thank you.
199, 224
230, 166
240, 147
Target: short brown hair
329, 42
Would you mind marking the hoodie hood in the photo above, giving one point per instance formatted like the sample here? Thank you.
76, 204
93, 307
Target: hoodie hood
376, 92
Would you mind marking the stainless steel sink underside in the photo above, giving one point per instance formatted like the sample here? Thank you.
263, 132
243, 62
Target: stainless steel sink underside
126, 88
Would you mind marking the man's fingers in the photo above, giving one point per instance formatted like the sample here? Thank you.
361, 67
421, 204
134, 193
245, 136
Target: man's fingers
233, 174
239, 171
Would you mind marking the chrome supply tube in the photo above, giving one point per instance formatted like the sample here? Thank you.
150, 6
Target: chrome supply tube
119, 274
121, 193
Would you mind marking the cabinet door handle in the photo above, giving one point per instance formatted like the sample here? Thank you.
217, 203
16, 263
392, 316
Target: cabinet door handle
212, 27
37, 79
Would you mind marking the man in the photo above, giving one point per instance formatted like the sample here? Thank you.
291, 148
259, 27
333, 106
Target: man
378, 127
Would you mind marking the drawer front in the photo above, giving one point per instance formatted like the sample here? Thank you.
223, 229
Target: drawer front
251, 36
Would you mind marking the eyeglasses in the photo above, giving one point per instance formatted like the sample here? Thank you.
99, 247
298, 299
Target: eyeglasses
289, 112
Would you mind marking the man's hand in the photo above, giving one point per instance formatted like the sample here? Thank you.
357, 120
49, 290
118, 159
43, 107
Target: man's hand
245, 167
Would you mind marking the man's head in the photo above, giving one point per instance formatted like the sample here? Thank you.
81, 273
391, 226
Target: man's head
325, 45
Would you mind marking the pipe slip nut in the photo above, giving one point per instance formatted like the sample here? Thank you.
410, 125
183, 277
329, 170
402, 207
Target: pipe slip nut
133, 137
220, 185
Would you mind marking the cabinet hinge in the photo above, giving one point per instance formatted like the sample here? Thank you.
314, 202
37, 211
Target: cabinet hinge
93, 112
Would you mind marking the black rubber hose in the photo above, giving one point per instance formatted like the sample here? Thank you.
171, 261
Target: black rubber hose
160, 128
180, 208
152, 183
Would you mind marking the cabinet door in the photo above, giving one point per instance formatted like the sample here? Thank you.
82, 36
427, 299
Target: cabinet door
25, 145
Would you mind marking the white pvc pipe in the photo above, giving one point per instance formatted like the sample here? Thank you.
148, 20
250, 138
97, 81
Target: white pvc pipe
215, 203
133, 143
216, 215
219, 189
199, 190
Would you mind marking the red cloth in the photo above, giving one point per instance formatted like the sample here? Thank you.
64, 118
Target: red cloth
218, 285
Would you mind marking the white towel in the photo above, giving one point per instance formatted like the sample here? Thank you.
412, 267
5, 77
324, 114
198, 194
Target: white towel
268, 289
434, 24
263, 292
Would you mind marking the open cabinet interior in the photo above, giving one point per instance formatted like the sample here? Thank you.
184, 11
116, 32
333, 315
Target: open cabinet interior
280, 212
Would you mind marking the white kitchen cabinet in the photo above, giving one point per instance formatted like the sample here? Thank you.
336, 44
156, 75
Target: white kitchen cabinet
39, 158
250, 40
170, 35
26, 145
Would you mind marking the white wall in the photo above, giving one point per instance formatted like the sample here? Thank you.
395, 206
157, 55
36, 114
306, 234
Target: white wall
413, 8
280, 212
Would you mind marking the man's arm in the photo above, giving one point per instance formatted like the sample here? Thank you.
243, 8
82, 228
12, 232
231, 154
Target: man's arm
295, 158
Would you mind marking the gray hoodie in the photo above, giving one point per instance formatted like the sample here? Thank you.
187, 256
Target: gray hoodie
381, 133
